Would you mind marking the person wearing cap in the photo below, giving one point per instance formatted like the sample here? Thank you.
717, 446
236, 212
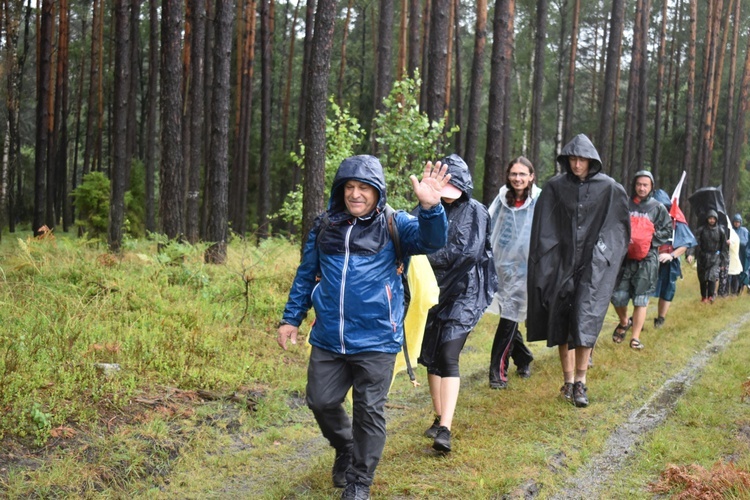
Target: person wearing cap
465, 273
640, 271
739, 281
579, 236
712, 253
348, 274
512, 212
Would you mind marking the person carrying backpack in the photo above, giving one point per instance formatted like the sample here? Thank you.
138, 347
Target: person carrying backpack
650, 227
349, 276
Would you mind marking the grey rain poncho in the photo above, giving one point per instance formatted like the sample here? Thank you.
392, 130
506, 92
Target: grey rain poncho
511, 233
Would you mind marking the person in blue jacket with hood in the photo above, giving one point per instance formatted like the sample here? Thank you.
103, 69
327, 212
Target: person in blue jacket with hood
349, 275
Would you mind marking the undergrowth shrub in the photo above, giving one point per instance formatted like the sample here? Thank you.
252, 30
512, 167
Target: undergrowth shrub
165, 318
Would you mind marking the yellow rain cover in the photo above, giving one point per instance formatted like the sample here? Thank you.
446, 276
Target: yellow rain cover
425, 293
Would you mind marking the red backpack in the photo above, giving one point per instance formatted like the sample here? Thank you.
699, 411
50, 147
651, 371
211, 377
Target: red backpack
641, 233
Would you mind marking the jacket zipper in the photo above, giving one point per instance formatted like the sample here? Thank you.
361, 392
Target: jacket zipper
343, 287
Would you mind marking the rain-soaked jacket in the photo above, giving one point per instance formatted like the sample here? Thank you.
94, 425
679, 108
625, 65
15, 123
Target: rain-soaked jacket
579, 238
464, 268
712, 251
511, 232
359, 300
643, 274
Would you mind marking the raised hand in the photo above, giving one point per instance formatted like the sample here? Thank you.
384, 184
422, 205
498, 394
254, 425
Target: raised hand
434, 179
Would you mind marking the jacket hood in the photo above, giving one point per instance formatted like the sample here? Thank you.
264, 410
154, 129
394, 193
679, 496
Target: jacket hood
460, 175
643, 173
737, 218
712, 213
362, 168
582, 147
662, 197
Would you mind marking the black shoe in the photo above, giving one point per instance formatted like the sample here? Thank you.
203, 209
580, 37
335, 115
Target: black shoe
566, 391
524, 371
433, 430
340, 465
443, 439
580, 399
498, 384
356, 491
659, 322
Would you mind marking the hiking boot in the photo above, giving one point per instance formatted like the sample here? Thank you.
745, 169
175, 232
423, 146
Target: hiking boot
580, 399
524, 371
442, 440
498, 384
433, 430
566, 391
659, 322
356, 491
340, 465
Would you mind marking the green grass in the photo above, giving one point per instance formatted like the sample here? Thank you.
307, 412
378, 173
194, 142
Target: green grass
177, 326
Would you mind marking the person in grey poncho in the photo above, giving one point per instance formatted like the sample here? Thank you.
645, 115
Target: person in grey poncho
512, 212
712, 252
579, 237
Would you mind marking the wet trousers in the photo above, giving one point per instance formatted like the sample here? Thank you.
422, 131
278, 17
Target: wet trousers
708, 289
329, 377
508, 343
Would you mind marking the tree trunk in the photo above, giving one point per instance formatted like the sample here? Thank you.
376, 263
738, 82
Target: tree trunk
458, 88
120, 168
661, 62
438, 73
537, 88
414, 50
288, 84
604, 138
50, 128
342, 67
63, 207
643, 88
731, 171
240, 173
560, 131
384, 75
425, 50
402, 40
217, 220
500, 69
708, 104
571, 85
690, 101
197, 69
740, 122
171, 194
632, 110
315, 138
42, 117
305, 83
153, 99
264, 182
476, 85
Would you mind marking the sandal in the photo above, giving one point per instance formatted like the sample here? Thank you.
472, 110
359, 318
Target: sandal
620, 331
636, 344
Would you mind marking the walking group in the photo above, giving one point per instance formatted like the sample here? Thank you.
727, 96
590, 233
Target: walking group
552, 259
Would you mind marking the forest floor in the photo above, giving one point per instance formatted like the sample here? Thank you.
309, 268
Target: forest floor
672, 420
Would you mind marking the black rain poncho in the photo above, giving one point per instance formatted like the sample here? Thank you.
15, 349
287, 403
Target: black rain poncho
464, 268
579, 238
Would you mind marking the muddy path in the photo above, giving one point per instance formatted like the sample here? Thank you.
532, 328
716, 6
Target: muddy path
624, 440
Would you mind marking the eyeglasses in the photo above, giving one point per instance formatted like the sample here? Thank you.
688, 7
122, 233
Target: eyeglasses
520, 175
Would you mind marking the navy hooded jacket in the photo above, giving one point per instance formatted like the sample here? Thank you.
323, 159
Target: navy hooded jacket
359, 298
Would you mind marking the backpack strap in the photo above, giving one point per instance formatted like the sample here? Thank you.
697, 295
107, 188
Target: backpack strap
390, 213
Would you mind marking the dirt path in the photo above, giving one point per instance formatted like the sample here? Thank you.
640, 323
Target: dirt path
623, 441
